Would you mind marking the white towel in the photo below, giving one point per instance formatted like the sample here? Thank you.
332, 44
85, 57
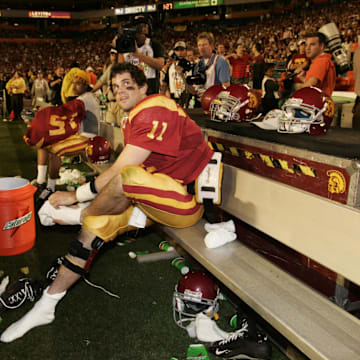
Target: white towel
69, 215
227, 225
218, 238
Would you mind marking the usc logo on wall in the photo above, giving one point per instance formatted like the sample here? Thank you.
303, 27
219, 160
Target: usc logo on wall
337, 182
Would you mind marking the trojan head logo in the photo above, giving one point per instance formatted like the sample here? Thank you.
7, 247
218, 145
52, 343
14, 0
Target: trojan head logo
330, 109
337, 182
253, 101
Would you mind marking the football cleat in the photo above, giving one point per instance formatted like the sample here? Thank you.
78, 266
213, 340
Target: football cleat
242, 345
18, 293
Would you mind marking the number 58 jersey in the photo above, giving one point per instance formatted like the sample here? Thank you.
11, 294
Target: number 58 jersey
176, 142
55, 123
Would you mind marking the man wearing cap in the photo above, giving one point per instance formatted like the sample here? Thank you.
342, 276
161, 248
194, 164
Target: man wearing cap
105, 77
63, 130
174, 76
322, 72
92, 75
299, 62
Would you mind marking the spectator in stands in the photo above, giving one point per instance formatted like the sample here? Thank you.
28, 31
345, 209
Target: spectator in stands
48, 156
321, 73
40, 90
240, 66
157, 137
3, 104
354, 44
298, 62
212, 69
55, 86
93, 76
356, 108
16, 87
270, 87
221, 50
174, 79
258, 63
190, 56
104, 79
113, 55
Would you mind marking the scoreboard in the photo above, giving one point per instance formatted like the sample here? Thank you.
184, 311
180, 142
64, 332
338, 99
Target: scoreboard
135, 9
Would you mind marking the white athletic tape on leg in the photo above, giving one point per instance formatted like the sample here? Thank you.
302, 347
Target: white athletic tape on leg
84, 193
137, 218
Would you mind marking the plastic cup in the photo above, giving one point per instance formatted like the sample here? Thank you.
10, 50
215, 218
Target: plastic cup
181, 265
134, 254
197, 351
165, 246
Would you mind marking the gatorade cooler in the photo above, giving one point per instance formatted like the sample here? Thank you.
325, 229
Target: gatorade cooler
17, 224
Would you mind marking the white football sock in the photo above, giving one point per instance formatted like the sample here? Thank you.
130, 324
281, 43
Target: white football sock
218, 238
51, 183
228, 225
207, 329
42, 313
41, 176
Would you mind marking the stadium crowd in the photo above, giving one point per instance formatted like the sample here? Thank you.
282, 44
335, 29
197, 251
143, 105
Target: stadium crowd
278, 36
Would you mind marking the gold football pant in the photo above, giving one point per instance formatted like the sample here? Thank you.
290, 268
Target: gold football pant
73, 145
161, 198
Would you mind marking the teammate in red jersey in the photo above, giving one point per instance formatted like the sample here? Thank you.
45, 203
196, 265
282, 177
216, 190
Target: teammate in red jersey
164, 150
63, 130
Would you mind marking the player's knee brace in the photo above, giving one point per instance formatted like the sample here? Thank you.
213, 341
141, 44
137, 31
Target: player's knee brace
77, 250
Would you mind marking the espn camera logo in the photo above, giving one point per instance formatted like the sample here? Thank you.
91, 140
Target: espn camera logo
11, 224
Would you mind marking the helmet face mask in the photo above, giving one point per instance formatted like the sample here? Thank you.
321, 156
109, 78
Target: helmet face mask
236, 103
225, 107
195, 293
307, 110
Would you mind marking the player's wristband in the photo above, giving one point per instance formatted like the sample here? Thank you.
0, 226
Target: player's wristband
86, 192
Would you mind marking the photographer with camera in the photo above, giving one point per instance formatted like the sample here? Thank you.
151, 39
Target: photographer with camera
174, 79
137, 47
104, 79
322, 72
212, 69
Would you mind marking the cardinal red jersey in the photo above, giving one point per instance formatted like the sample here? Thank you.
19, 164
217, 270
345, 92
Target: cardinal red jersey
55, 123
177, 144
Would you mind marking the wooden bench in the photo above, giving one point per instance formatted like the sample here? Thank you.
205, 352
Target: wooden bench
317, 327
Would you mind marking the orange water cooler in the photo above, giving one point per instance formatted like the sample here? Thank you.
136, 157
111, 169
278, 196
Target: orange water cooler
17, 216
